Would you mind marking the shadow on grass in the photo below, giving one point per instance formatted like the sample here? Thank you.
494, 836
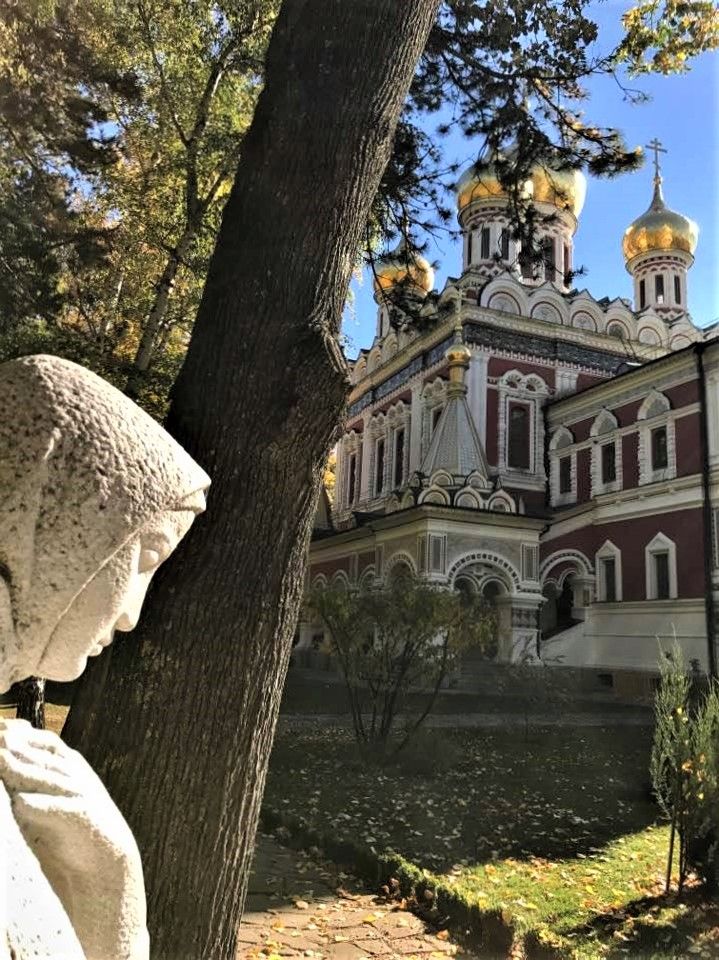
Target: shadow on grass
659, 926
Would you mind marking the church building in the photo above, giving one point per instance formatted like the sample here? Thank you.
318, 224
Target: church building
516, 437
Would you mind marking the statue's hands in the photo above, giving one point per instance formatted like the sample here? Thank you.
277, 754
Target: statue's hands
84, 846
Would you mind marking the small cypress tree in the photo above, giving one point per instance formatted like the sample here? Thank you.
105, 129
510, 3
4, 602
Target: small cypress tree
684, 768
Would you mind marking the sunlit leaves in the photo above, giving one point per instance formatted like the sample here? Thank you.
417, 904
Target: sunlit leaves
662, 36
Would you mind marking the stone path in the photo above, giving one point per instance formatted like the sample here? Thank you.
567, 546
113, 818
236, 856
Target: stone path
300, 907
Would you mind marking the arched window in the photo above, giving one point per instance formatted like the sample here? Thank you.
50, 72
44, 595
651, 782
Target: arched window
504, 244
484, 244
660, 557
659, 288
677, 290
642, 294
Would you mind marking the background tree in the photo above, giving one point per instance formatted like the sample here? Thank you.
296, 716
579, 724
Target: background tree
396, 646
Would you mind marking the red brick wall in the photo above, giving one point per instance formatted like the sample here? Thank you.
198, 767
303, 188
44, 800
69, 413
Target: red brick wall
684, 527
689, 445
330, 567
630, 461
584, 475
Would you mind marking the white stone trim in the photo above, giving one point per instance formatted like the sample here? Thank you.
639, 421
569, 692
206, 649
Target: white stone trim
666, 419
660, 544
609, 551
492, 559
604, 431
531, 390
562, 445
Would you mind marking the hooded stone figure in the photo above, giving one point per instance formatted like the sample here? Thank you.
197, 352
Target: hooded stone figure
94, 495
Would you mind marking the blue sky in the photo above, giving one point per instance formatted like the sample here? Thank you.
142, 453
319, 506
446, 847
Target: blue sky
682, 113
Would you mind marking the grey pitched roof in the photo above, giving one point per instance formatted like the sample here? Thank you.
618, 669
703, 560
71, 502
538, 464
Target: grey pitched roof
455, 445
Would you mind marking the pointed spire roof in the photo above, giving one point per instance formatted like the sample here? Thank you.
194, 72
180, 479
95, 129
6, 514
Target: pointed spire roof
456, 447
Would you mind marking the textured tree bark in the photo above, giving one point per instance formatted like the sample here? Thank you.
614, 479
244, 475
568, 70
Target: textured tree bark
31, 701
183, 733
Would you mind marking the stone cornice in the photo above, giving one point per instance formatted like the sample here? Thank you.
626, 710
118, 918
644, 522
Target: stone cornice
623, 388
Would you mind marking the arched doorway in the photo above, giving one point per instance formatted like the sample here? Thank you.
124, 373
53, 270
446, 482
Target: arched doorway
557, 611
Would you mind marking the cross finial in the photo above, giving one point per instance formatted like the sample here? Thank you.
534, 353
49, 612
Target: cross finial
656, 146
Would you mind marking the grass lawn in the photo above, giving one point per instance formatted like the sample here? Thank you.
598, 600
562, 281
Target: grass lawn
554, 835
54, 715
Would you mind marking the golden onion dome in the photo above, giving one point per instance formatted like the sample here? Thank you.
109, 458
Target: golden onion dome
480, 181
403, 268
565, 189
659, 229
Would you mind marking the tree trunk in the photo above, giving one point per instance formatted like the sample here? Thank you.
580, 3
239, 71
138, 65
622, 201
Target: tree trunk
158, 312
191, 700
31, 701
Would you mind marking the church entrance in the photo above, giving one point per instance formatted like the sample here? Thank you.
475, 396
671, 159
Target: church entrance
556, 615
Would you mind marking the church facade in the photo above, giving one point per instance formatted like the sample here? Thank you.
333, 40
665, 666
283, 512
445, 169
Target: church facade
520, 439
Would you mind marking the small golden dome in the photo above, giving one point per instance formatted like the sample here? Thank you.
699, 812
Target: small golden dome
659, 229
565, 189
406, 269
458, 353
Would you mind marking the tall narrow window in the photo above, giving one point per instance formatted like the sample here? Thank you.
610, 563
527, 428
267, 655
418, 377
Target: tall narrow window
470, 245
567, 263
548, 258
351, 476
661, 575
660, 455
379, 467
525, 262
659, 288
565, 475
642, 294
609, 579
677, 289
504, 244
518, 437
399, 457
484, 244
609, 463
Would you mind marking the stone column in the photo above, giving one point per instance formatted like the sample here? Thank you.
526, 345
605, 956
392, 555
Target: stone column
525, 629
415, 438
477, 393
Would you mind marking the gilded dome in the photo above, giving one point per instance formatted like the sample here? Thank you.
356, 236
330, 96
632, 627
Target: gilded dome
565, 189
401, 268
458, 353
659, 229
479, 182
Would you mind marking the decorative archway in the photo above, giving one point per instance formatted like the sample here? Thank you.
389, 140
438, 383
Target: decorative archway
508, 573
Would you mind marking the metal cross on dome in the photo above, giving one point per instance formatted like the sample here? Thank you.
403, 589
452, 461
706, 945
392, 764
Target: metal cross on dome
657, 147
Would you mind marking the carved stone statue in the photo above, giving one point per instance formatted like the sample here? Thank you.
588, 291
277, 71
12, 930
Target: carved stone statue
94, 495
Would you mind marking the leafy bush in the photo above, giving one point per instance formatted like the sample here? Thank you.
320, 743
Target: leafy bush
685, 769
395, 640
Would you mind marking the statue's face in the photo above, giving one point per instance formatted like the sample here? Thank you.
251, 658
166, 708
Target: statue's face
112, 600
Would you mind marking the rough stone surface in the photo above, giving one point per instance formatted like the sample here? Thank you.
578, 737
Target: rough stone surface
94, 495
318, 912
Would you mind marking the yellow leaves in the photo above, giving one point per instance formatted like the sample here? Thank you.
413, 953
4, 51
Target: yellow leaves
371, 918
443, 935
